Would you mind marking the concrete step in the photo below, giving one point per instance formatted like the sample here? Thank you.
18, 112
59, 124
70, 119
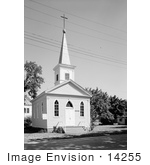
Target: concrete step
75, 130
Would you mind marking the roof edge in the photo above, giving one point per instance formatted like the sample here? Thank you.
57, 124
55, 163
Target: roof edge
41, 94
66, 82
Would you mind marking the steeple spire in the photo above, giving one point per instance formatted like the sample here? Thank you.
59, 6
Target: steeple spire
63, 71
64, 53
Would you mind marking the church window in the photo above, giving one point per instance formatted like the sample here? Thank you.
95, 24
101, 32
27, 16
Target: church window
69, 104
27, 110
82, 109
37, 112
33, 111
57, 77
66, 76
42, 107
56, 108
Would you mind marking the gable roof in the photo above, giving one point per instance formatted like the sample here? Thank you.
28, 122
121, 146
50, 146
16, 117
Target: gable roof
80, 91
72, 89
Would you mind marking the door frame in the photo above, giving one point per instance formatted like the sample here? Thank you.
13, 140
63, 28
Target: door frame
71, 109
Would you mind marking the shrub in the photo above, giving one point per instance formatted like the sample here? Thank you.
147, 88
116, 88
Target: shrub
58, 130
107, 118
27, 122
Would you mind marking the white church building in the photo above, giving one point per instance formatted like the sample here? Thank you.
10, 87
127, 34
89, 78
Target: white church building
67, 103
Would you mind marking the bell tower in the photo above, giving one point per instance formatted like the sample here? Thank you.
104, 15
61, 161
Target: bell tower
63, 71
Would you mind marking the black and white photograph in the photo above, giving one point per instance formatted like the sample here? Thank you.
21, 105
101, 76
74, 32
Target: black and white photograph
75, 75
82, 64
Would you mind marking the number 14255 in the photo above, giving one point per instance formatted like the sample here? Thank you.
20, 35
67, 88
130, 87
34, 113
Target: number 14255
125, 157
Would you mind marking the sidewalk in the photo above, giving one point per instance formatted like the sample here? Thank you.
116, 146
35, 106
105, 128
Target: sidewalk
97, 131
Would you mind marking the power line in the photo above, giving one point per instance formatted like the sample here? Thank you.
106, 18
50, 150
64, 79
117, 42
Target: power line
43, 22
75, 23
78, 16
73, 55
74, 50
72, 47
40, 47
97, 31
76, 32
98, 38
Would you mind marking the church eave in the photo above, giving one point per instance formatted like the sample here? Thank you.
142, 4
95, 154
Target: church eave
72, 82
40, 95
64, 65
68, 95
80, 87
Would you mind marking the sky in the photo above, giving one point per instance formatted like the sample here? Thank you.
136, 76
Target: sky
96, 37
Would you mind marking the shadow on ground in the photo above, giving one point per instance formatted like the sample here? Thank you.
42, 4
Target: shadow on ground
31, 129
107, 142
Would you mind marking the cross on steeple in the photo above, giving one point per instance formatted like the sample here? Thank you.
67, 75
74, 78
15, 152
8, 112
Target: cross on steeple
64, 20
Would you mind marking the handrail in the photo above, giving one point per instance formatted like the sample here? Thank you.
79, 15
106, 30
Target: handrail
81, 122
59, 123
62, 125
85, 128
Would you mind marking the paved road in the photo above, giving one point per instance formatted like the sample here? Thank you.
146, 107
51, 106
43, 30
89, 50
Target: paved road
107, 142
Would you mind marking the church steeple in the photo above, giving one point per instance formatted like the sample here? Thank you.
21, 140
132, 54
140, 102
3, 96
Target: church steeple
64, 53
64, 70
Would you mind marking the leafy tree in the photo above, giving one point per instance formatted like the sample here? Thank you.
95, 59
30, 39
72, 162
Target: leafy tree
106, 108
107, 117
100, 106
118, 107
32, 78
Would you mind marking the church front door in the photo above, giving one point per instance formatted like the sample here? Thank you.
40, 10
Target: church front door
70, 118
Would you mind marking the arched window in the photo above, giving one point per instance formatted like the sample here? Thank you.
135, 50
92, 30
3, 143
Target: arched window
56, 108
69, 104
81, 109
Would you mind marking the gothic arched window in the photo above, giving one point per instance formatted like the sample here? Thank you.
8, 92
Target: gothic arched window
81, 109
56, 108
69, 104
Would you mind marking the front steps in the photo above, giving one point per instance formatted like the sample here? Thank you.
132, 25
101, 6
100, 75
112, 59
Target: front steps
75, 130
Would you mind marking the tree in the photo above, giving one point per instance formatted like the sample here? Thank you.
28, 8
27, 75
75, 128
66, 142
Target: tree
106, 108
100, 106
32, 78
107, 117
118, 107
